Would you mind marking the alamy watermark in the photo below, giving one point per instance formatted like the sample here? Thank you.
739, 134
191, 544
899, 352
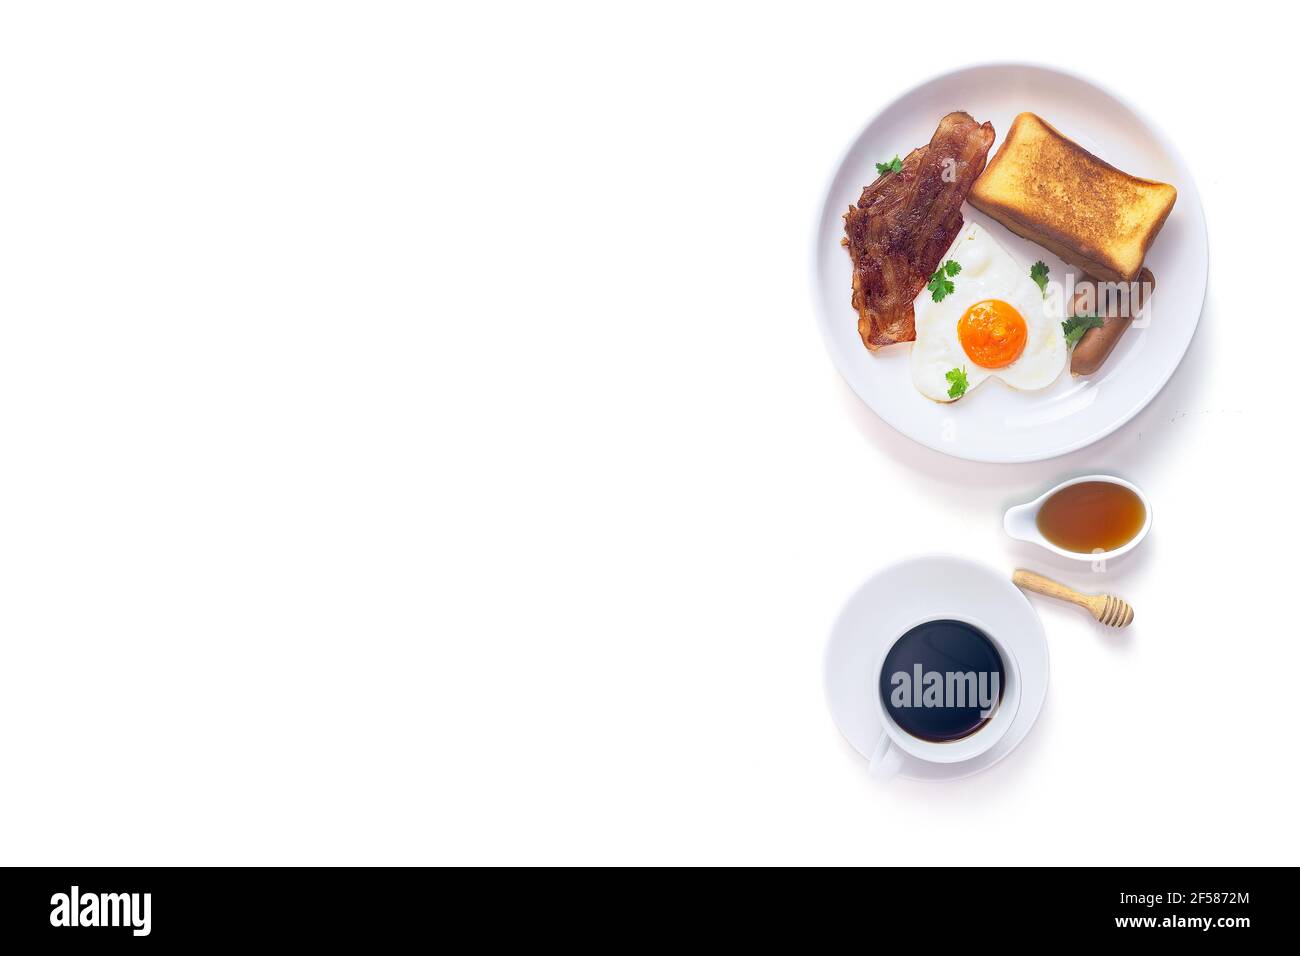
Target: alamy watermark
922, 688
75, 908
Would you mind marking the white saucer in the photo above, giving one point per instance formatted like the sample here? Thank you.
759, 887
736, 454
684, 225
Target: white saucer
892, 599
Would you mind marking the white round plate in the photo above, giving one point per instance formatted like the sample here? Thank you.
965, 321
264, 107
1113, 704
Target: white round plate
996, 423
895, 598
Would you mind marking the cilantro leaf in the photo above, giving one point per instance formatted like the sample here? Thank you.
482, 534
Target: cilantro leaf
1038, 272
895, 165
957, 382
1075, 327
939, 286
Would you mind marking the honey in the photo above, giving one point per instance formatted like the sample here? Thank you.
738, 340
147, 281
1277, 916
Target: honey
1091, 517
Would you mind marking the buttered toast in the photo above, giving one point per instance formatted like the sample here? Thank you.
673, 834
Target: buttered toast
1049, 189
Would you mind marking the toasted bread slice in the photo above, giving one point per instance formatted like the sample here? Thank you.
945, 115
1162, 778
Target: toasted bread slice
1049, 189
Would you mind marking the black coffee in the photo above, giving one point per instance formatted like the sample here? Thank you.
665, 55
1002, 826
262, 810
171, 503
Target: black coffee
942, 680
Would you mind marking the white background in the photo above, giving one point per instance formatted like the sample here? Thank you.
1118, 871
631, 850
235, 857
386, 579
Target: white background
417, 446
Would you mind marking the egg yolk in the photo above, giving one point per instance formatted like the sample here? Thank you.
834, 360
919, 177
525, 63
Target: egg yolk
993, 333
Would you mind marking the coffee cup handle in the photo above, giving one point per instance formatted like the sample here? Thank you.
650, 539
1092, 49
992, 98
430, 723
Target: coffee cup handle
886, 759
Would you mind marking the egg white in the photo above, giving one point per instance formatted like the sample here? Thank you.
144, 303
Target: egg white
987, 272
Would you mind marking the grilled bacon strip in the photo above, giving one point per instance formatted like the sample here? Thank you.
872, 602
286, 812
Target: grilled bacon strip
904, 223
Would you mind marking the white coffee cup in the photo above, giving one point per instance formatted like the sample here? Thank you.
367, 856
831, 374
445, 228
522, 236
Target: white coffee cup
895, 743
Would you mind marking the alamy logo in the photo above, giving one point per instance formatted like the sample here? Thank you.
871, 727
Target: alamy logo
101, 909
951, 689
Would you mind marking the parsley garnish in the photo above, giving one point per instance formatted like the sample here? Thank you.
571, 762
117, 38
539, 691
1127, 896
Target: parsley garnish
939, 285
1076, 326
957, 382
1038, 272
895, 165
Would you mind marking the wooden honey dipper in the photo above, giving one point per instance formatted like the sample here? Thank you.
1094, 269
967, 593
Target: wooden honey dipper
1110, 610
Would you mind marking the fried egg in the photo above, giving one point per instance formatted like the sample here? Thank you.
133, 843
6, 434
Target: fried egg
995, 323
